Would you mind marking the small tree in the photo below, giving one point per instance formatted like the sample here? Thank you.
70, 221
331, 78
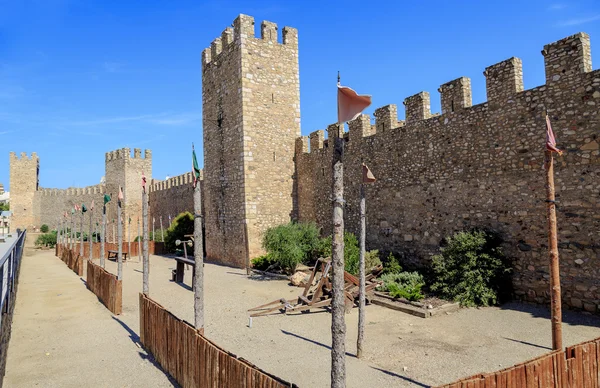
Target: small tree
292, 244
470, 269
181, 226
44, 228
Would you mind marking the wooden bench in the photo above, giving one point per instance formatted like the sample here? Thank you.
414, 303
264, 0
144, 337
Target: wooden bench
179, 270
115, 255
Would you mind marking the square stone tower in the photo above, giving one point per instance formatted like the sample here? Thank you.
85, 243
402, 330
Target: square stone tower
126, 171
251, 118
24, 182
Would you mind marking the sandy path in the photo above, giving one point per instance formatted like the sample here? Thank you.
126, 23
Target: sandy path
401, 350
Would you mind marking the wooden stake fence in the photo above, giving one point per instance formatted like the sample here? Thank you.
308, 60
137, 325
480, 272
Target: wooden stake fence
106, 287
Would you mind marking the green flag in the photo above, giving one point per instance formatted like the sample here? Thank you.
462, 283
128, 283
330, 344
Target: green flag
73, 211
83, 208
195, 168
106, 198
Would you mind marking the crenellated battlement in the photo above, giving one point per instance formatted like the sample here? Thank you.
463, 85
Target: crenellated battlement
565, 59
179, 180
125, 153
72, 191
23, 156
244, 29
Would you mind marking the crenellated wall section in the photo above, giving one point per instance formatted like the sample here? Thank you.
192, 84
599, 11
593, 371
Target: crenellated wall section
170, 197
478, 166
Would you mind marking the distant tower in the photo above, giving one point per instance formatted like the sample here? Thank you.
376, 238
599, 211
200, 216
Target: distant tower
24, 182
124, 170
251, 119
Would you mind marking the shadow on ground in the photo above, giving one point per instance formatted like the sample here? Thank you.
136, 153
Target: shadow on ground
569, 317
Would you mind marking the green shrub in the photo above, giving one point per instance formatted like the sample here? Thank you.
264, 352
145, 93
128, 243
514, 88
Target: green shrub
371, 260
351, 251
158, 236
391, 265
470, 269
291, 244
182, 225
406, 285
44, 228
46, 239
263, 262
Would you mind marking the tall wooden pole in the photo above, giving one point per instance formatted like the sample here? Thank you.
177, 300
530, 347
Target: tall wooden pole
162, 233
91, 236
338, 323
146, 261
103, 235
119, 242
361, 274
556, 314
153, 233
114, 235
129, 239
72, 232
81, 236
139, 238
198, 280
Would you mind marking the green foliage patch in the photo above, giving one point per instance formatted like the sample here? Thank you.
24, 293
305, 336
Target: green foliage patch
291, 244
406, 285
46, 240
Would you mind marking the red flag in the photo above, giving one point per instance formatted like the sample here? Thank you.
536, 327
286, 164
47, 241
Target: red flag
368, 176
350, 104
120, 196
143, 182
92, 205
550, 140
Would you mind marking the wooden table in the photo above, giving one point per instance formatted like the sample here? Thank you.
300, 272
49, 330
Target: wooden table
179, 270
115, 255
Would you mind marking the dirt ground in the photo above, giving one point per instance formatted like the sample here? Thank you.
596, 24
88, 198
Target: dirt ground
401, 350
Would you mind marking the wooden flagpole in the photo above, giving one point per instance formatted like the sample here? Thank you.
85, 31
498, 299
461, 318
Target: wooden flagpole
139, 238
146, 261
129, 238
81, 234
162, 233
198, 280
103, 234
556, 313
119, 239
91, 236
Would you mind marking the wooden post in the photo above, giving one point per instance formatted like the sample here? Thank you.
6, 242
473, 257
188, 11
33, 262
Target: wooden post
556, 313
338, 323
91, 236
129, 239
153, 234
146, 261
361, 275
119, 241
139, 238
103, 235
72, 245
81, 236
114, 236
162, 233
198, 281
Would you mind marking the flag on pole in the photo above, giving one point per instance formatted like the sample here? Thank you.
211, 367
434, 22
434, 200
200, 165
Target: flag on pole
106, 198
92, 205
83, 208
72, 211
550, 140
120, 196
195, 168
143, 182
77, 208
368, 176
350, 104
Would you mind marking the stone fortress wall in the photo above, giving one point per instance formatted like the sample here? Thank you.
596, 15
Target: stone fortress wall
171, 197
478, 166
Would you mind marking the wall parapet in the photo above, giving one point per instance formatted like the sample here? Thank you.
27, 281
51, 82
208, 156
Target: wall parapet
175, 181
125, 153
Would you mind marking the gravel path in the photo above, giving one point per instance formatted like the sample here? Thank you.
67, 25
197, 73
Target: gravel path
401, 350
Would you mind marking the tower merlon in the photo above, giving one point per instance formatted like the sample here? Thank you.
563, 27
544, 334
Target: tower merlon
504, 79
418, 107
137, 153
243, 27
227, 37
215, 48
268, 31
302, 145
316, 140
335, 130
147, 154
456, 95
361, 127
289, 36
386, 118
567, 57
206, 57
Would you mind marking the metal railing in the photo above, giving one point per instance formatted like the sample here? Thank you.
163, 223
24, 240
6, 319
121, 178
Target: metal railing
9, 267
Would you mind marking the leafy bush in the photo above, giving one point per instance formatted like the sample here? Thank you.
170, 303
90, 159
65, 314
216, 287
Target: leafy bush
371, 260
158, 236
470, 269
391, 265
182, 225
46, 239
351, 251
291, 244
406, 285
262, 262
44, 228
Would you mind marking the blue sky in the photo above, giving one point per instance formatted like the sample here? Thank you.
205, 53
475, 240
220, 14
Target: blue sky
79, 78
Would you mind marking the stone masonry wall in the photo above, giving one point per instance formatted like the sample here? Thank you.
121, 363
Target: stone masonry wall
250, 90
478, 166
24, 181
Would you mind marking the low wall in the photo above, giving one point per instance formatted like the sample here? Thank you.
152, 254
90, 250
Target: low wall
154, 248
191, 359
72, 260
576, 366
106, 287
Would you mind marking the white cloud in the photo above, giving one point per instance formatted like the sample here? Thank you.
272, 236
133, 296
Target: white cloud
556, 7
166, 118
578, 21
